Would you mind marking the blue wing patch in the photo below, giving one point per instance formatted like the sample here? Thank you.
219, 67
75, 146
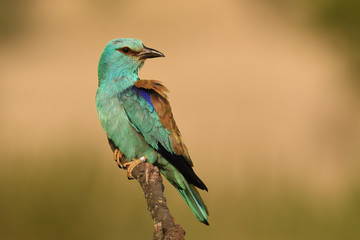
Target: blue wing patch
144, 94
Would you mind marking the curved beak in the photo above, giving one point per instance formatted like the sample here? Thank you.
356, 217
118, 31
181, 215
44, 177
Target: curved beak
149, 53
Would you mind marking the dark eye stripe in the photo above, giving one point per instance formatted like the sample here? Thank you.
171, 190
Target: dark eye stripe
127, 51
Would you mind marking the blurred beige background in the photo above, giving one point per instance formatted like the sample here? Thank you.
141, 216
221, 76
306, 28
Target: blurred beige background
265, 97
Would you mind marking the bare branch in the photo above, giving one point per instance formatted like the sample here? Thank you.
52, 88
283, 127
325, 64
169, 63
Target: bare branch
151, 183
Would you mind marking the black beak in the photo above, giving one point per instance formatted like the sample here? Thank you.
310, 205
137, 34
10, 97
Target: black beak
149, 53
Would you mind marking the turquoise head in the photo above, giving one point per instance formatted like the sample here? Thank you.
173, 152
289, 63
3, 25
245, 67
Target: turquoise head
124, 57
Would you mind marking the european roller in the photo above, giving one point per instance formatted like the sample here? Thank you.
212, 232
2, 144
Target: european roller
137, 118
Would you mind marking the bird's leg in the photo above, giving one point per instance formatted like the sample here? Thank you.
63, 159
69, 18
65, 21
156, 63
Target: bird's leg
117, 156
131, 165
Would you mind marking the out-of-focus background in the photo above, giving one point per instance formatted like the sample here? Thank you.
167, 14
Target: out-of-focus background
266, 94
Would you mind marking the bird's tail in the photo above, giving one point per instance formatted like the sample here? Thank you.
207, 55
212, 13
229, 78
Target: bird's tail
195, 202
188, 192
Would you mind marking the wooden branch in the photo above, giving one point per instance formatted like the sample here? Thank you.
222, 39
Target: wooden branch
151, 183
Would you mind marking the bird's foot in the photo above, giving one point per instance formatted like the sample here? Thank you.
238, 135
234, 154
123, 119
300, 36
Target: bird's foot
117, 157
131, 165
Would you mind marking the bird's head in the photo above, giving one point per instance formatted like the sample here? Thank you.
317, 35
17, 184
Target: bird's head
125, 56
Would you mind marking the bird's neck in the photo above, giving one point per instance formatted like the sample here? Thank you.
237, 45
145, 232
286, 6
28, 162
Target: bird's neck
108, 71
129, 77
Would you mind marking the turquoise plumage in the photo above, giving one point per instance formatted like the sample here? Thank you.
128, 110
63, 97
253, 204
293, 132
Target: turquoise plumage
138, 121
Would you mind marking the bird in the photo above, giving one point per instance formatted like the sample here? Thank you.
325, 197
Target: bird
139, 123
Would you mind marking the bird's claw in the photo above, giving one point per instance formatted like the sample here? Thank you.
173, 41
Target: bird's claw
117, 156
131, 165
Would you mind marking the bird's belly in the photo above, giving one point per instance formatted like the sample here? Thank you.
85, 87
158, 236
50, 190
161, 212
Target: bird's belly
116, 124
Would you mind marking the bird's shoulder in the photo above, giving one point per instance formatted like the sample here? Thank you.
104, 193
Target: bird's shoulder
157, 92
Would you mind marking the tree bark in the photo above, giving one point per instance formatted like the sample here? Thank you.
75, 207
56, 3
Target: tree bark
151, 183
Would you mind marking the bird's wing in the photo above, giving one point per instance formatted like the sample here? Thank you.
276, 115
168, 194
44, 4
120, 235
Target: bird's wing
150, 113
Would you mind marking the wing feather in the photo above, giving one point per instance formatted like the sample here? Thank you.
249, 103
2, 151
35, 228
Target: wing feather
149, 112
162, 107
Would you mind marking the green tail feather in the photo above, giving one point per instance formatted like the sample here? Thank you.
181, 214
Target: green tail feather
196, 204
188, 192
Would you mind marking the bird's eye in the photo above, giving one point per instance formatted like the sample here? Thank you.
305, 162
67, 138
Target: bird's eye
125, 50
